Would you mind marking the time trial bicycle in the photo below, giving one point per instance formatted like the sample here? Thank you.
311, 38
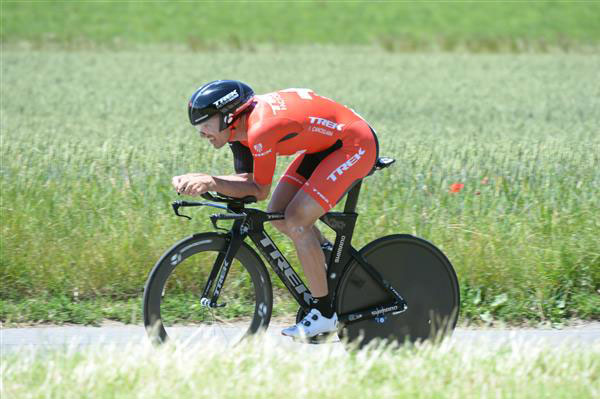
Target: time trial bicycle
398, 287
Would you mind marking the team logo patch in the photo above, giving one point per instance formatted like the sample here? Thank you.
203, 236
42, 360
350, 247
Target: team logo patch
259, 150
326, 123
226, 99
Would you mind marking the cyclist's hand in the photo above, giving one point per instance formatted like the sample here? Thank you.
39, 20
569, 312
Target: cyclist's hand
193, 183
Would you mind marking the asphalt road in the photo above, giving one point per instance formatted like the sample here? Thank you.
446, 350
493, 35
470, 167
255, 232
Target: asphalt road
15, 339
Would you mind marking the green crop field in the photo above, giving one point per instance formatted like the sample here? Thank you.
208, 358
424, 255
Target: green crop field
394, 25
90, 141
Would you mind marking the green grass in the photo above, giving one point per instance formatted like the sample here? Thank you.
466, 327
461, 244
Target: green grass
177, 309
396, 26
91, 140
260, 369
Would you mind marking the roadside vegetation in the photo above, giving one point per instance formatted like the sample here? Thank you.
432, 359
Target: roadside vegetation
259, 369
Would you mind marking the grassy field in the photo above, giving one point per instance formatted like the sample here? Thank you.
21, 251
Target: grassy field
90, 141
395, 26
262, 369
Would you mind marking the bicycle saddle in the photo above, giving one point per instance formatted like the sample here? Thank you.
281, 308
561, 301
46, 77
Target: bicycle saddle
383, 162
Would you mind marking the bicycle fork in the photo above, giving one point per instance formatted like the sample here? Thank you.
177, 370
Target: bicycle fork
222, 265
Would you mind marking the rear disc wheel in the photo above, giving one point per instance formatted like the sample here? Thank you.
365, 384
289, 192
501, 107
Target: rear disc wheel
422, 275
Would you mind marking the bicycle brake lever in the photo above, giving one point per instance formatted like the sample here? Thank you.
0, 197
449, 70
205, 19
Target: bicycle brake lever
176, 206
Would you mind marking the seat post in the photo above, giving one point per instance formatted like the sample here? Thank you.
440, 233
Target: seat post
352, 198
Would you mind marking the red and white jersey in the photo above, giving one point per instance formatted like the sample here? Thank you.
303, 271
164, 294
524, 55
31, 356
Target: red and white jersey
293, 121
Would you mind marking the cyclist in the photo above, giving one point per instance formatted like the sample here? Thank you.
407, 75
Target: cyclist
335, 148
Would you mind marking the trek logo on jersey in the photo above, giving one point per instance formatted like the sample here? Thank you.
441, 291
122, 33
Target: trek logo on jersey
327, 123
226, 98
346, 165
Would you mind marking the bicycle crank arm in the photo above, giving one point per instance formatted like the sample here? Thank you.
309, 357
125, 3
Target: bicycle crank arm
394, 308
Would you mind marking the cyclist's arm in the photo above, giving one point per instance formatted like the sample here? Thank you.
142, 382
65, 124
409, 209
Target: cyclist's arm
244, 168
241, 185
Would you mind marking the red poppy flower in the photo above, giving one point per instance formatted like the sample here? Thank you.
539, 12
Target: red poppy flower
456, 187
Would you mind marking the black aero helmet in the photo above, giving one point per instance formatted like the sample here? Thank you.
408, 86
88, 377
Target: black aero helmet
225, 97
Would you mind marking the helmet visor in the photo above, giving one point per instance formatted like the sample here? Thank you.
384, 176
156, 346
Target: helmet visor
209, 124
199, 115
200, 119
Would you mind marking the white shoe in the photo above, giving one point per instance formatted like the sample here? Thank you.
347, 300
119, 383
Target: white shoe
314, 323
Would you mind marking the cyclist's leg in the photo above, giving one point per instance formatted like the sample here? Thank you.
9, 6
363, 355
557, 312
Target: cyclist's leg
328, 183
300, 216
281, 197
325, 185
286, 189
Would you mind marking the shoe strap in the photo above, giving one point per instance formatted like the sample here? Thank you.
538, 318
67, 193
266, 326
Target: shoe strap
308, 315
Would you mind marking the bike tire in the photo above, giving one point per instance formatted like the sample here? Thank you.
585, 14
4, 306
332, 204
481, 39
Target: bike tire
420, 272
174, 287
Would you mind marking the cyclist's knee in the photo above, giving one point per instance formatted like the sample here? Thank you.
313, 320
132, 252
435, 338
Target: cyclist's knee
296, 223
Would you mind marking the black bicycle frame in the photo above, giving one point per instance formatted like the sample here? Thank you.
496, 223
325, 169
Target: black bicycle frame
249, 222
